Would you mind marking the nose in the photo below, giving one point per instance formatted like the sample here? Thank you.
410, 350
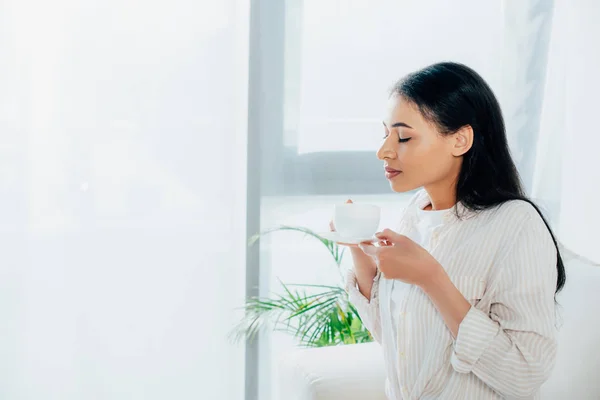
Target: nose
387, 151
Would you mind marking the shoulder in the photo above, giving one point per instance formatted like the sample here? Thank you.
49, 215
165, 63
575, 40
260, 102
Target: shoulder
520, 222
530, 253
517, 214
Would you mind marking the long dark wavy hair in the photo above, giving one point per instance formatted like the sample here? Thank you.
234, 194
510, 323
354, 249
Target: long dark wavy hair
452, 95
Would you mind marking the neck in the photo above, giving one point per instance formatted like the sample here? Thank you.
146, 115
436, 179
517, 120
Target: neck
442, 195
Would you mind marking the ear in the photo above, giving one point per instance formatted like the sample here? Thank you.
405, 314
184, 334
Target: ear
462, 140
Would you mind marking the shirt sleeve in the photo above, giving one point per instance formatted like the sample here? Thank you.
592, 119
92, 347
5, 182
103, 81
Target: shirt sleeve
512, 348
368, 309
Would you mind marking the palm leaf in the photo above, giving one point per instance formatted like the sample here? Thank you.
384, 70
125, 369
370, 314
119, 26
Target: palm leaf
336, 251
323, 317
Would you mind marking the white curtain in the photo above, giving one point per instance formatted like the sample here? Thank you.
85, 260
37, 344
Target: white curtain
122, 195
567, 173
547, 98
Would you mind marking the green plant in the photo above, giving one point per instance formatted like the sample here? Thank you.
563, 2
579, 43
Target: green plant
317, 315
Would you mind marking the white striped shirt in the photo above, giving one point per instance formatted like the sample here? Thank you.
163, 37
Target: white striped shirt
503, 261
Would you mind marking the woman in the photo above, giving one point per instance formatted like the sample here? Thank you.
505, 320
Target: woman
462, 295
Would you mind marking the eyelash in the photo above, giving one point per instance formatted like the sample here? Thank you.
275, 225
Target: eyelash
399, 140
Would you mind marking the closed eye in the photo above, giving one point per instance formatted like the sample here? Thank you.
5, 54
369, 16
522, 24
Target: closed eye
401, 140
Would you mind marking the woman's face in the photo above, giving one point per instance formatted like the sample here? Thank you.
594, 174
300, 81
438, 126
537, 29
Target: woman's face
414, 152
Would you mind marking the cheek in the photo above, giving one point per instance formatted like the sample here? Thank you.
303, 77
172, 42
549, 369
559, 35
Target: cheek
426, 158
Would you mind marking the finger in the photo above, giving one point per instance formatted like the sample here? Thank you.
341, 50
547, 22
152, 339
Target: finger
388, 235
349, 201
369, 249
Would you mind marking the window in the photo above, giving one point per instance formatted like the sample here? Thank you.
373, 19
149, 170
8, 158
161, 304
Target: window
339, 60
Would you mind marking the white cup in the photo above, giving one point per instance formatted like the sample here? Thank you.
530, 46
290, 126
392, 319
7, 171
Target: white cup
353, 220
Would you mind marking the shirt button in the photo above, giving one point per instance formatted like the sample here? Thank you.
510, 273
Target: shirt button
401, 354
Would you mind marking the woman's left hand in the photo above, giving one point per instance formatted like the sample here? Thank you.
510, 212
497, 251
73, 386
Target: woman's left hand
398, 257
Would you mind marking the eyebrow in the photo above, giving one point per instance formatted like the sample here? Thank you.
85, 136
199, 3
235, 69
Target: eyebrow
399, 124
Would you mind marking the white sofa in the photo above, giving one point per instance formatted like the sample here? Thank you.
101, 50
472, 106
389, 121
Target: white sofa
356, 372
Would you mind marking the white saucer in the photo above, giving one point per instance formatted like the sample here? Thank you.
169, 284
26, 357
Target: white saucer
336, 237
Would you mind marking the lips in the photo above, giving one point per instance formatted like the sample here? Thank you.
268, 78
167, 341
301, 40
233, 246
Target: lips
391, 172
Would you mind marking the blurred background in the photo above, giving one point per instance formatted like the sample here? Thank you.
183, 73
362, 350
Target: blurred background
143, 142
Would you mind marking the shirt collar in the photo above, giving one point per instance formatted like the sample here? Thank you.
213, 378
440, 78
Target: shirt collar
422, 200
